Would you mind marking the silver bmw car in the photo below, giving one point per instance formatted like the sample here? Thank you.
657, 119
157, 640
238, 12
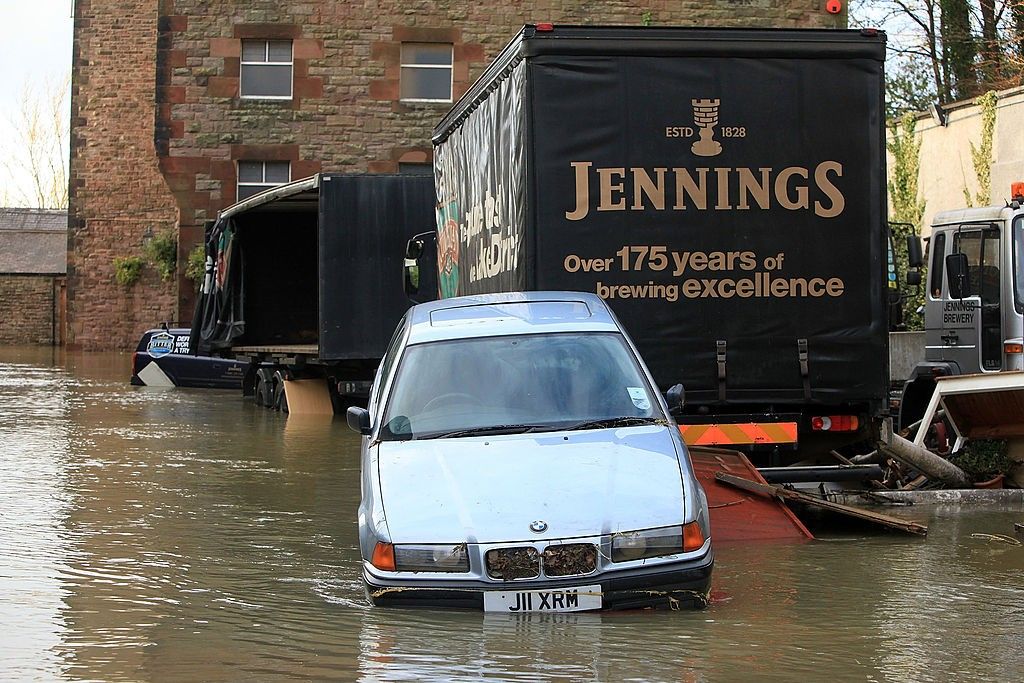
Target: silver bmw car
517, 457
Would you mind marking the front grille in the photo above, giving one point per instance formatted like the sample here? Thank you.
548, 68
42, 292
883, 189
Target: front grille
524, 562
513, 563
570, 559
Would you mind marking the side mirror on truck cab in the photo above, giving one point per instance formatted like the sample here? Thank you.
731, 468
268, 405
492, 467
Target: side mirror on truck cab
956, 275
413, 251
420, 271
414, 248
915, 258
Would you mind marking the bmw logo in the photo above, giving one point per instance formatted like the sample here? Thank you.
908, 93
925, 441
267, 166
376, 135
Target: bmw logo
539, 526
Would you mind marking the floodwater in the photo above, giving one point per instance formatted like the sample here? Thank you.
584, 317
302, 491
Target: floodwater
184, 535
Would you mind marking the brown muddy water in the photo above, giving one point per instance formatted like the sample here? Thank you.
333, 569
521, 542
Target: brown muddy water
184, 535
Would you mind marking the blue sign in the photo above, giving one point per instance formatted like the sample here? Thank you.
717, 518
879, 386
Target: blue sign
160, 344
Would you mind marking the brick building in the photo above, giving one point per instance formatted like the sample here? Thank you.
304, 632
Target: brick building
33, 260
181, 106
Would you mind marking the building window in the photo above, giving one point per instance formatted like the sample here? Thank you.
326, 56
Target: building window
257, 176
267, 69
426, 72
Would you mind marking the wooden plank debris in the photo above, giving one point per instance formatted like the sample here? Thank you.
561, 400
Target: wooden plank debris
786, 494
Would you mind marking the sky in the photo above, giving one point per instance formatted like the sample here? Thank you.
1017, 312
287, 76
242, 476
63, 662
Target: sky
35, 47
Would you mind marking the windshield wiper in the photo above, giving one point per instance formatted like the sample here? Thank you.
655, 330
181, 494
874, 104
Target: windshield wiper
616, 422
491, 429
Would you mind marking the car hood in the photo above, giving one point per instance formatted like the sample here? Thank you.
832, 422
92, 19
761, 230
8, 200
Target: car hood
490, 489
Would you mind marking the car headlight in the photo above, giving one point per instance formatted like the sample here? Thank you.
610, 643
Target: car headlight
431, 558
638, 545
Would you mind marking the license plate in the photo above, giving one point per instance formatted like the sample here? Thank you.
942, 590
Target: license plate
576, 599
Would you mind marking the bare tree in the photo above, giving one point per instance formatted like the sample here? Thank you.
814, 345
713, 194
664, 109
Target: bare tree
36, 158
966, 46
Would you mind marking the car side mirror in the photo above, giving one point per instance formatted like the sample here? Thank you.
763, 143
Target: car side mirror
914, 278
676, 397
358, 420
915, 259
956, 275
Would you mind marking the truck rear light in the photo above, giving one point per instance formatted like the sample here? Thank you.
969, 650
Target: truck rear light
1013, 347
545, 26
835, 423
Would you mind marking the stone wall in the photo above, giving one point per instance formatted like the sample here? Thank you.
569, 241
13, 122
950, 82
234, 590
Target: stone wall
118, 196
178, 109
29, 309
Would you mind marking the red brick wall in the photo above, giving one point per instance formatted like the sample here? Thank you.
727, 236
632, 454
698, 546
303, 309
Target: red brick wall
118, 195
178, 84
29, 309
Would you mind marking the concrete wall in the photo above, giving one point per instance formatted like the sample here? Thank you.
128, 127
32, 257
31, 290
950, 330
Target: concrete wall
158, 127
946, 166
906, 350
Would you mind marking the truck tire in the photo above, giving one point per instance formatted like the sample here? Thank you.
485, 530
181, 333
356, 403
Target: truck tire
280, 397
264, 394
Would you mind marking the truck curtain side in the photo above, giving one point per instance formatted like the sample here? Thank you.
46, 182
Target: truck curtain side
722, 189
305, 279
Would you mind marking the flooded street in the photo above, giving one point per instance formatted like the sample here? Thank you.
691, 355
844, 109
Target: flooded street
186, 535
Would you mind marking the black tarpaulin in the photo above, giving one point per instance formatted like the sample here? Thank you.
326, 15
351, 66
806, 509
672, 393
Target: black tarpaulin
722, 190
219, 318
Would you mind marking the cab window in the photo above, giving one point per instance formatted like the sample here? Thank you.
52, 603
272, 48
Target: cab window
938, 247
982, 250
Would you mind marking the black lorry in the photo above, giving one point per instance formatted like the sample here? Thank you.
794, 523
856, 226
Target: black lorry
304, 282
722, 189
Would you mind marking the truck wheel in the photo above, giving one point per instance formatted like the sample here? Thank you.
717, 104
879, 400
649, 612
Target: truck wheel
280, 397
264, 394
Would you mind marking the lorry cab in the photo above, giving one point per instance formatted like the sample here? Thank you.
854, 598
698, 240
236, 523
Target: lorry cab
979, 328
974, 305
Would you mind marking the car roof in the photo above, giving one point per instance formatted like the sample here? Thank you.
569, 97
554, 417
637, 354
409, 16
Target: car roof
491, 315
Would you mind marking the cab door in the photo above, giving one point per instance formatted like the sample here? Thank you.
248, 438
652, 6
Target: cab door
967, 331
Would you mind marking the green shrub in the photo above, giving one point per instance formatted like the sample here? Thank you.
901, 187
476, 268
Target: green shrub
195, 266
127, 269
162, 251
983, 459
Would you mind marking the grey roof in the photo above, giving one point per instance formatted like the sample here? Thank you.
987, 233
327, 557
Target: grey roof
33, 241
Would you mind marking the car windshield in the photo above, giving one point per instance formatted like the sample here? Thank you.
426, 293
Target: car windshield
515, 384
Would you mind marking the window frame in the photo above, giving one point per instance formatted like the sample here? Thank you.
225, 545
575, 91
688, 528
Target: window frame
266, 51
450, 67
263, 185
1018, 262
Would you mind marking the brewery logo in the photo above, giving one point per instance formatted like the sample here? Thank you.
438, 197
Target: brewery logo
160, 344
705, 117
